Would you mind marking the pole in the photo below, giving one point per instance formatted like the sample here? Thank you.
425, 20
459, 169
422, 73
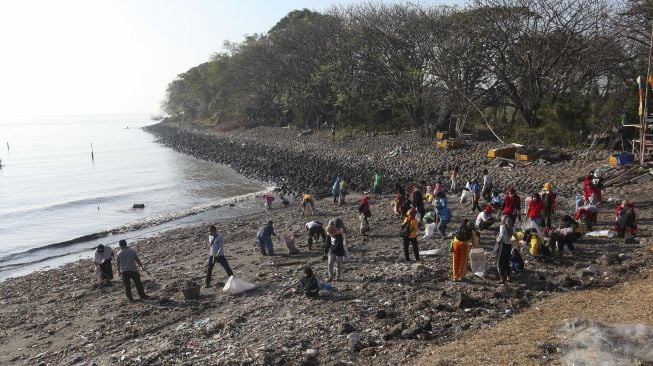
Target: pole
92, 156
647, 85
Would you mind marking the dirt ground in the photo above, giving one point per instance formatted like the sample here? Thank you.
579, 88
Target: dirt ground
384, 310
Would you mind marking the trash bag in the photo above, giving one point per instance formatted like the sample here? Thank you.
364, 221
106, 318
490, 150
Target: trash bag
477, 261
290, 244
235, 286
429, 230
601, 234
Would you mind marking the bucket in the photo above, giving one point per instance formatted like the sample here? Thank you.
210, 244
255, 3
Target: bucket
477, 261
191, 293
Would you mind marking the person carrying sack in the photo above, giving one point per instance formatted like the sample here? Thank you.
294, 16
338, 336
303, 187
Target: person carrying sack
216, 255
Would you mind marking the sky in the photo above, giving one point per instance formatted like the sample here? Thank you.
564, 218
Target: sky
74, 57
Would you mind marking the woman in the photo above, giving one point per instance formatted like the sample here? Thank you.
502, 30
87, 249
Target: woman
337, 250
335, 190
461, 243
625, 219
504, 248
411, 224
535, 209
454, 178
549, 202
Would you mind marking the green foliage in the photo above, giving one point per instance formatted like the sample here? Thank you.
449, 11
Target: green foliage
541, 71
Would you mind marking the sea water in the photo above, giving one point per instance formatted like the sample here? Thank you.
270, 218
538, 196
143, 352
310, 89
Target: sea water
70, 183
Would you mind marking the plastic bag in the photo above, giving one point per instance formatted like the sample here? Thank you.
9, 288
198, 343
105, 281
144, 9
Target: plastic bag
477, 261
235, 286
429, 230
601, 234
290, 244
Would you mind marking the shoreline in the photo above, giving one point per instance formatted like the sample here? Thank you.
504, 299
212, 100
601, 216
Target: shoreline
60, 316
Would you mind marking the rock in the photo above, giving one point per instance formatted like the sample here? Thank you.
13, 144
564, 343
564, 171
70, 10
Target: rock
463, 301
345, 328
407, 333
394, 332
609, 259
381, 314
369, 351
311, 353
566, 281
354, 340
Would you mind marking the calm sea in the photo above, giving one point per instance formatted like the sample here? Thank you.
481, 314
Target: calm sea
70, 183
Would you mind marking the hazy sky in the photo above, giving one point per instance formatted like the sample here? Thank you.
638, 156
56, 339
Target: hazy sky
117, 56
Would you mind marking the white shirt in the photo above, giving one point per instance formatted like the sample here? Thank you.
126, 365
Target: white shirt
482, 217
217, 245
106, 255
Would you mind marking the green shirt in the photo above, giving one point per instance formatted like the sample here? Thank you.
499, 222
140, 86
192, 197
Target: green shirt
378, 179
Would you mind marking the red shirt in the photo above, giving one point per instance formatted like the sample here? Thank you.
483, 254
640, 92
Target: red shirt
535, 209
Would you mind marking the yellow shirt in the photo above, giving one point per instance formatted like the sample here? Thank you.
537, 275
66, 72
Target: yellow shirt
413, 227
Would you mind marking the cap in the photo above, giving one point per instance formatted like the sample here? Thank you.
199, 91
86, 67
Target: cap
488, 209
100, 248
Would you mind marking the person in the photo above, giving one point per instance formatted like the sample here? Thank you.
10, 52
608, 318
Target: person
516, 260
410, 222
588, 215
126, 262
102, 261
264, 236
408, 204
549, 202
565, 236
268, 201
284, 201
487, 185
504, 248
377, 188
309, 284
454, 178
399, 203
335, 190
443, 212
307, 199
460, 248
475, 188
337, 251
484, 219
497, 199
343, 191
511, 205
418, 202
430, 216
364, 213
535, 208
428, 197
625, 219
216, 255
315, 232
438, 188
536, 244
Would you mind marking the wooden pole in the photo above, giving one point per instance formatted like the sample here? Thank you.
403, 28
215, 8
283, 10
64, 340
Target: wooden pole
92, 156
642, 151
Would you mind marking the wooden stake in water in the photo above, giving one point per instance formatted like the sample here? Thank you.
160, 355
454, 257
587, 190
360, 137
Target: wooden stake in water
92, 156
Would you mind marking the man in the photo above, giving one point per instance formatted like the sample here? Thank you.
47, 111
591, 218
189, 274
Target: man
127, 260
378, 184
102, 261
475, 188
307, 199
315, 232
264, 236
484, 219
216, 254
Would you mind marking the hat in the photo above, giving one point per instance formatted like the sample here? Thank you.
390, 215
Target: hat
548, 186
100, 248
487, 209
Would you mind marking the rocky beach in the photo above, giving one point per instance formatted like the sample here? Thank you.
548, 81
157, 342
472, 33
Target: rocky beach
383, 310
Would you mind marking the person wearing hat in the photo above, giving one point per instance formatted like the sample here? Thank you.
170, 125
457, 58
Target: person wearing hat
264, 236
625, 219
511, 205
485, 219
127, 260
102, 261
475, 188
411, 223
216, 255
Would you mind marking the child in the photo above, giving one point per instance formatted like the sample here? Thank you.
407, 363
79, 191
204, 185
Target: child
454, 178
268, 201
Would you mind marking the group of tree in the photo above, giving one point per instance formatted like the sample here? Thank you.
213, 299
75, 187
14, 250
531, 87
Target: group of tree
529, 70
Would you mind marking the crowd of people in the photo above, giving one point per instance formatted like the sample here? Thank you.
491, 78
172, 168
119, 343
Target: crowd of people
538, 236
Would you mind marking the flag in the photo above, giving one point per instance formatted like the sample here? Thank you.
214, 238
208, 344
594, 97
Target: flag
641, 96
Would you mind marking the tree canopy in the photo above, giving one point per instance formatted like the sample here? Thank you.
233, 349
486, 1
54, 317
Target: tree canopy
525, 68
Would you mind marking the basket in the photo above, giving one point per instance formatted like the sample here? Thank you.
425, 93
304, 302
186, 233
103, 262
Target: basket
191, 293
